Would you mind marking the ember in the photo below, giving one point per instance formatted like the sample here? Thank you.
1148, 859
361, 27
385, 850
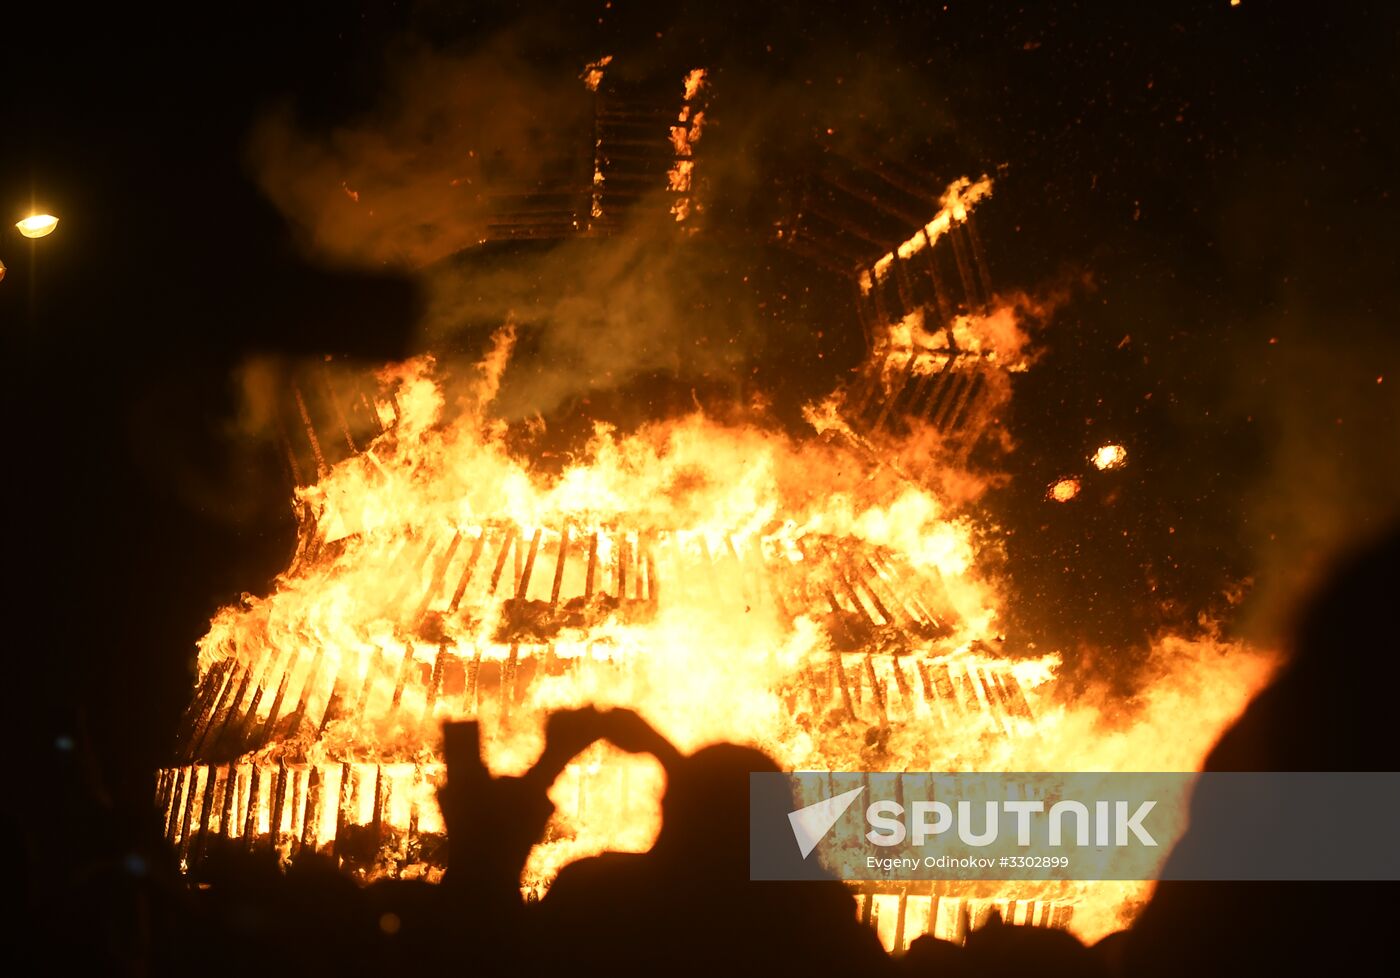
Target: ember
1110, 457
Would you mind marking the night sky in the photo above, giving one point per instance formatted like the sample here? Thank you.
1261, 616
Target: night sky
1218, 183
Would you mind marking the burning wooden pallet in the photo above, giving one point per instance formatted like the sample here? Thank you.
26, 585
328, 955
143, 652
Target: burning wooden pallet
902, 912
498, 612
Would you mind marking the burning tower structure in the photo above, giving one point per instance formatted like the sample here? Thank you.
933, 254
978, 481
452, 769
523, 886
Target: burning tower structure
813, 595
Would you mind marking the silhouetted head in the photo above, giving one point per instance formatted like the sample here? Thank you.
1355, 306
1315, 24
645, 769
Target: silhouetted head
705, 809
1328, 708
1354, 608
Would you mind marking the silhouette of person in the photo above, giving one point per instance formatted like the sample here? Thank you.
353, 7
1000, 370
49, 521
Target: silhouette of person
688, 905
1331, 708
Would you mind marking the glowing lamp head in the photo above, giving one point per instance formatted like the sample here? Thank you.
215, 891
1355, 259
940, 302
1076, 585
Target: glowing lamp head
1063, 491
37, 226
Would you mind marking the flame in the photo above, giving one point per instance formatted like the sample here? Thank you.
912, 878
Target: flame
684, 136
694, 81
37, 225
960, 197
729, 581
592, 74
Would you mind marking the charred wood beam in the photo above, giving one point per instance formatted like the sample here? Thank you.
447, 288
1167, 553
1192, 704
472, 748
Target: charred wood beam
191, 793
342, 800
559, 565
206, 807
331, 395
844, 265
439, 575
308, 688
508, 674
648, 561
969, 400
310, 823
226, 810
523, 588
214, 734
177, 802
435, 682
405, 667
878, 201
269, 725
250, 821
979, 257
211, 688
958, 387
839, 672
964, 262
846, 225
893, 395
467, 571
506, 548
592, 565
321, 467
381, 791
877, 689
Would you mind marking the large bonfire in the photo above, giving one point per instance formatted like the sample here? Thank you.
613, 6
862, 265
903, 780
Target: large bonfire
729, 581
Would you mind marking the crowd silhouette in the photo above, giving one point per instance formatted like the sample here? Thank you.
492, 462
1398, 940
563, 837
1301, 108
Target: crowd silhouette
687, 906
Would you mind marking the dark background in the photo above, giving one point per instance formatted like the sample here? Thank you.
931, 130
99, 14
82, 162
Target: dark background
1223, 177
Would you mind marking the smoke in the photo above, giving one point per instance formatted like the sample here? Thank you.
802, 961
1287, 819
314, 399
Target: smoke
1330, 478
412, 182
1314, 366
404, 184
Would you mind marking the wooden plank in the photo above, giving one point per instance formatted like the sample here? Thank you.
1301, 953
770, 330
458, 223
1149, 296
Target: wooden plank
321, 467
522, 590
435, 682
439, 574
839, 671
177, 801
592, 565
331, 395
197, 713
191, 792
467, 571
506, 548
405, 666
250, 821
220, 704
214, 736
311, 820
559, 565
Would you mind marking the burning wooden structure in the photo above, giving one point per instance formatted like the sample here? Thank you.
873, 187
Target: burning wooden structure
844, 632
